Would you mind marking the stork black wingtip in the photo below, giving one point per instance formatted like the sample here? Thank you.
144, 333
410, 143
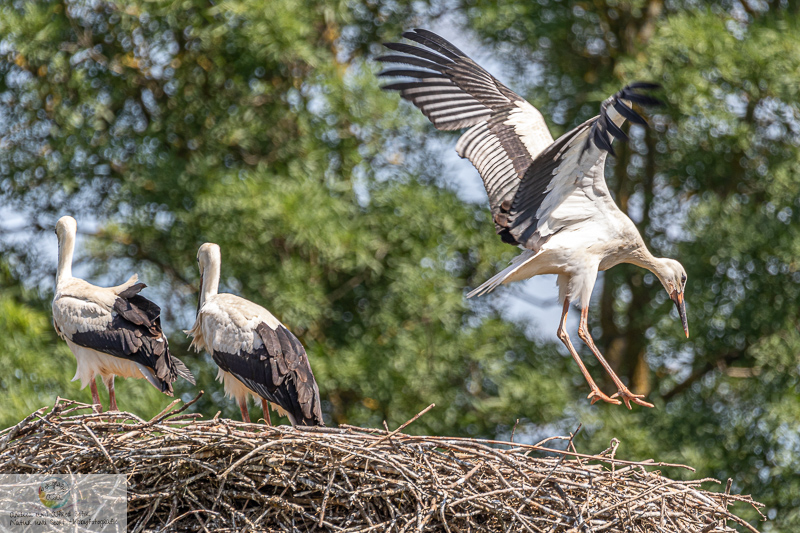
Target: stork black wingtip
604, 126
615, 130
641, 99
628, 93
601, 140
647, 85
629, 113
397, 47
436, 42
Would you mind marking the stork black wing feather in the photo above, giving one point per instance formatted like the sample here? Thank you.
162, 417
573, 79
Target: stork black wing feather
135, 334
616, 131
409, 73
454, 92
629, 113
523, 217
641, 99
417, 51
410, 60
604, 125
444, 47
643, 85
601, 139
279, 372
431, 37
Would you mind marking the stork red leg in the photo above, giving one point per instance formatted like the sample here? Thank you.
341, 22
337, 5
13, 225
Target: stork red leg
243, 408
112, 397
596, 393
626, 395
265, 407
96, 396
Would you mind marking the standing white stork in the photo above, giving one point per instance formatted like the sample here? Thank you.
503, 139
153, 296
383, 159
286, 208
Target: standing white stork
547, 197
255, 353
113, 331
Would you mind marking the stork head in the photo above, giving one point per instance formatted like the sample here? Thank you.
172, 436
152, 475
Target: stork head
673, 277
66, 226
208, 255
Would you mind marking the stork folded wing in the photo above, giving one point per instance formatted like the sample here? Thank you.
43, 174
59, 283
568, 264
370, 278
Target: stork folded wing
279, 372
135, 333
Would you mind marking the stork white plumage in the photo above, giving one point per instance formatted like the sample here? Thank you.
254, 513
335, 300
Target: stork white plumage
113, 331
547, 197
257, 356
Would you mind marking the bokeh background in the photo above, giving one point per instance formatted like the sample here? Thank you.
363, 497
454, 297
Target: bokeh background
260, 125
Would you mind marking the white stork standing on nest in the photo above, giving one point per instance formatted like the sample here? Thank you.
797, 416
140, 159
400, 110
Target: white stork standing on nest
113, 331
547, 197
255, 353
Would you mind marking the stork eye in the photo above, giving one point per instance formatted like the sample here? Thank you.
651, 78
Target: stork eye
683, 279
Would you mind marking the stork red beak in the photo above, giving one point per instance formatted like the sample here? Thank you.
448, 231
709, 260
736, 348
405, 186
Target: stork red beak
677, 297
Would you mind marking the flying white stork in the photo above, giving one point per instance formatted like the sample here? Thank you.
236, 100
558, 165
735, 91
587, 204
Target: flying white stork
550, 198
255, 353
113, 331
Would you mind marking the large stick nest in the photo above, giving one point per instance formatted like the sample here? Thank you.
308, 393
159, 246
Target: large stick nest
187, 474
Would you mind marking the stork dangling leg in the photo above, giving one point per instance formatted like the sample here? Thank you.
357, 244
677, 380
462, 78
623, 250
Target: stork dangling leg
623, 391
265, 408
596, 393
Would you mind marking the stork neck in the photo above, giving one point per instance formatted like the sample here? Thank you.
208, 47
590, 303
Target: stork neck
643, 258
210, 285
66, 249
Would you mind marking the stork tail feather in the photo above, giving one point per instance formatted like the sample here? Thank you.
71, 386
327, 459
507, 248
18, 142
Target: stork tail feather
499, 278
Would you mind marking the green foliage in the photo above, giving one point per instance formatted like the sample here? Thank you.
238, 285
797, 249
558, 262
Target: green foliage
29, 355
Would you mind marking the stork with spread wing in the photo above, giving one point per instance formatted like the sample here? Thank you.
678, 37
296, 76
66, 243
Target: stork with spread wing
548, 197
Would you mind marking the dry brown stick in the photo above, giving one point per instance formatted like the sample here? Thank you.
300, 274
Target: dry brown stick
185, 406
577, 521
558, 463
325, 497
264, 446
465, 478
13, 431
100, 445
626, 501
647, 462
403, 426
728, 486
